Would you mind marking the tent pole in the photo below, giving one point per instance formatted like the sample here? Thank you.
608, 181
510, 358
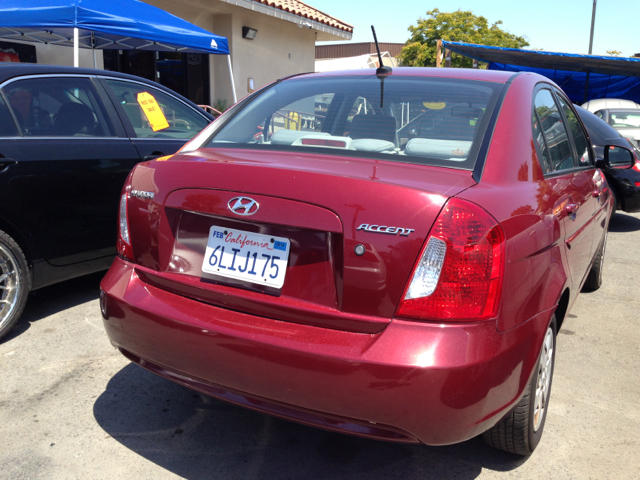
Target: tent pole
586, 89
233, 83
76, 48
93, 47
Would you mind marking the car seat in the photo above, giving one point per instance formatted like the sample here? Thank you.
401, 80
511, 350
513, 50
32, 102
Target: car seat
74, 119
380, 127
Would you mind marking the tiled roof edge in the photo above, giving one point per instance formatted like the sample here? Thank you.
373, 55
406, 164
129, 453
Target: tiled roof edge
317, 16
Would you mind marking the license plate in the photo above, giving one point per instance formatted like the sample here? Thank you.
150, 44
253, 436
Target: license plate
252, 257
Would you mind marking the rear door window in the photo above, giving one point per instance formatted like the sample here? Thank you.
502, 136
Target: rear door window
554, 131
575, 128
538, 137
155, 114
58, 107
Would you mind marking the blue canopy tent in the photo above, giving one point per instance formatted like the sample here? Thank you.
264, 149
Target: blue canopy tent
582, 77
106, 24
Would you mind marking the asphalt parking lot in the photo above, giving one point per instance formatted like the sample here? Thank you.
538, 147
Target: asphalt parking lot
73, 407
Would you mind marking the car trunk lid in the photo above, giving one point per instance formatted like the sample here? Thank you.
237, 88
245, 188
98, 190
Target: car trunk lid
355, 229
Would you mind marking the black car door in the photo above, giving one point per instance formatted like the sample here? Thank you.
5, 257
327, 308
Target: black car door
154, 131
68, 161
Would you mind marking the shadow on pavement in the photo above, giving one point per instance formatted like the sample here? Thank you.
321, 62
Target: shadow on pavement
56, 298
621, 222
197, 437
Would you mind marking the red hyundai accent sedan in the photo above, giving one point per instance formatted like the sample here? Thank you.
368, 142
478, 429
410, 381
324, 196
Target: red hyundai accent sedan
382, 253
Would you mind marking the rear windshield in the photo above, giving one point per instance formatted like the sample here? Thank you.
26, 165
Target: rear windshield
421, 120
625, 118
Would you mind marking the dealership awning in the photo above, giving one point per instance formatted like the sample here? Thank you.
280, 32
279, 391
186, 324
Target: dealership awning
105, 24
597, 76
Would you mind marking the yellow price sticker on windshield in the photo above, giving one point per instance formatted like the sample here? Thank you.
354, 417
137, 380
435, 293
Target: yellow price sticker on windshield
152, 111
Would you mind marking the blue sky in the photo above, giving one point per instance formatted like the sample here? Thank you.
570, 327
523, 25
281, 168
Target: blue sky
553, 25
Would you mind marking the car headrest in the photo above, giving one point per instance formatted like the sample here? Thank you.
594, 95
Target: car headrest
453, 150
380, 127
74, 118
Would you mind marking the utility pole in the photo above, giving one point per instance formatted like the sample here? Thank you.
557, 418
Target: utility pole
593, 22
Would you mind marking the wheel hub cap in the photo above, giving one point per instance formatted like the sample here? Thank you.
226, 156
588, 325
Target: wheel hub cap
543, 382
9, 284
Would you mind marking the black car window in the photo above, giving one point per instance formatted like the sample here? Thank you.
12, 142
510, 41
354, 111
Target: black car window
579, 138
420, 120
554, 130
7, 125
599, 114
58, 107
154, 114
599, 130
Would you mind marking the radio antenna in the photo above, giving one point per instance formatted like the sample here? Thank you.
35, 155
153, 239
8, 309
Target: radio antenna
382, 70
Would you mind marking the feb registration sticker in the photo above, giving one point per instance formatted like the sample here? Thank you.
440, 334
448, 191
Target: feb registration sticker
251, 257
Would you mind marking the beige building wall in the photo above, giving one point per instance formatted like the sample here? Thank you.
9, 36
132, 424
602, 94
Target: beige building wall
57, 55
280, 48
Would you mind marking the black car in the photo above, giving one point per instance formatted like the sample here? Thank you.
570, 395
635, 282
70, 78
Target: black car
68, 139
624, 183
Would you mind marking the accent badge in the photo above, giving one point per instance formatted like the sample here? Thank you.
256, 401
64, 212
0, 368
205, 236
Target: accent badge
384, 229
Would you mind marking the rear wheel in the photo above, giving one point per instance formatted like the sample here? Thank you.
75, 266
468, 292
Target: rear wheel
594, 279
520, 431
14, 283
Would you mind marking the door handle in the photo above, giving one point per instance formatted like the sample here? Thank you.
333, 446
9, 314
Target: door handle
571, 208
6, 162
153, 156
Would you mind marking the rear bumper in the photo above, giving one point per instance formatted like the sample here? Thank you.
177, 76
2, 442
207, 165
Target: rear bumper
436, 384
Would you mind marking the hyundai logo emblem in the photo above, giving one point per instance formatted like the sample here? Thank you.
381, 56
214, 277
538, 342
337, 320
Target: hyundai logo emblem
243, 206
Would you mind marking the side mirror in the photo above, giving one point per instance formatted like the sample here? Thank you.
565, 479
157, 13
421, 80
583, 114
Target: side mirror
617, 157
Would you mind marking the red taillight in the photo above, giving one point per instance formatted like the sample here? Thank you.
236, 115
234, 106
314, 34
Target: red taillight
124, 241
470, 279
636, 167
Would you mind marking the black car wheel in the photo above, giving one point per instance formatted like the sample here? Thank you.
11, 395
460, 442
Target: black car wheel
594, 279
615, 200
520, 430
14, 283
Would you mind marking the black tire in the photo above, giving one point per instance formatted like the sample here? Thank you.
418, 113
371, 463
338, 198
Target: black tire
615, 196
15, 283
594, 278
516, 432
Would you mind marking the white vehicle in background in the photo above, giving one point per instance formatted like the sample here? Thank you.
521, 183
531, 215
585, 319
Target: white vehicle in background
623, 115
607, 103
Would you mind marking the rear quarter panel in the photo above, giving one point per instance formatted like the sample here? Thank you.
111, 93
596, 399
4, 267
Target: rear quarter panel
514, 191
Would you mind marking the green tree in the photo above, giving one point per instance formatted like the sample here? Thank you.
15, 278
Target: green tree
459, 26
